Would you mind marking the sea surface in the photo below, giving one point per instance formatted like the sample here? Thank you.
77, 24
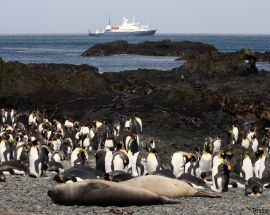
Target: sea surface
68, 49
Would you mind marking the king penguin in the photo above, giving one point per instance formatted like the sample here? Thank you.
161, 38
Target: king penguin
246, 167
178, 162
153, 161
222, 177
78, 156
206, 158
38, 160
120, 158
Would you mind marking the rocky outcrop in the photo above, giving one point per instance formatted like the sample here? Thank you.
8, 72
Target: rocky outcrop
183, 49
35, 85
50, 80
263, 56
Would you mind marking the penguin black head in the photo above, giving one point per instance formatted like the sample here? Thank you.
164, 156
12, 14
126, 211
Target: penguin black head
107, 177
253, 188
59, 178
35, 142
153, 150
229, 155
259, 152
119, 145
226, 168
222, 154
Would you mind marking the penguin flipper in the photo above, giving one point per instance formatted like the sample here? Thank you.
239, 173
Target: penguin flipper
208, 194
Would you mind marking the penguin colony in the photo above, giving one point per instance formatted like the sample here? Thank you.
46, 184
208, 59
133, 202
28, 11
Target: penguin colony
35, 146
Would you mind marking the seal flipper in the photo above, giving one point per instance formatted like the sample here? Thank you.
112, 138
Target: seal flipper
166, 200
208, 194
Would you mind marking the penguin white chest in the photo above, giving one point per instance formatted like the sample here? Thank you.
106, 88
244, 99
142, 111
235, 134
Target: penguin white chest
205, 162
33, 156
219, 188
245, 143
19, 152
216, 162
108, 144
57, 158
250, 135
235, 133
130, 158
127, 141
262, 166
2, 150
74, 156
86, 142
85, 130
118, 163
152, 163
217, 145
178, 163
257, 168
255, 144
134, 165
108, 161
247, 168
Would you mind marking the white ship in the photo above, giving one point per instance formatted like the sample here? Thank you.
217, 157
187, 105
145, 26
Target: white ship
126, 28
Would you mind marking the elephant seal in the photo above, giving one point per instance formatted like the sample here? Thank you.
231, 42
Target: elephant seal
104, 193
164, 186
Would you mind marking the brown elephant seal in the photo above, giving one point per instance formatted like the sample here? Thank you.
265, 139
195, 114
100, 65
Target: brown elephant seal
164, 186
105, 193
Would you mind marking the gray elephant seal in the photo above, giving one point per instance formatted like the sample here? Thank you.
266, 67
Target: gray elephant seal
164, 186
104, 193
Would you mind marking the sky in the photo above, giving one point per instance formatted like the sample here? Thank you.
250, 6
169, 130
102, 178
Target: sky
168, 16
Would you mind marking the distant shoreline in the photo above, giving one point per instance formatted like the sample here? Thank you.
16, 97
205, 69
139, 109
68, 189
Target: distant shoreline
158, 33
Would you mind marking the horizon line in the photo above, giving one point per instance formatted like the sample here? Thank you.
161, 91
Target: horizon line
159, 33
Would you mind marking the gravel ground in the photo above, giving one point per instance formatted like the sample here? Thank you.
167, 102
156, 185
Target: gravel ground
25, 195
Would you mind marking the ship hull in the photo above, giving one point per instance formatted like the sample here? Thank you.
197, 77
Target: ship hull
135, 33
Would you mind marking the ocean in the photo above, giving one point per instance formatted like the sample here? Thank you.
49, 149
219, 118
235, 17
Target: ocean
68, 48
